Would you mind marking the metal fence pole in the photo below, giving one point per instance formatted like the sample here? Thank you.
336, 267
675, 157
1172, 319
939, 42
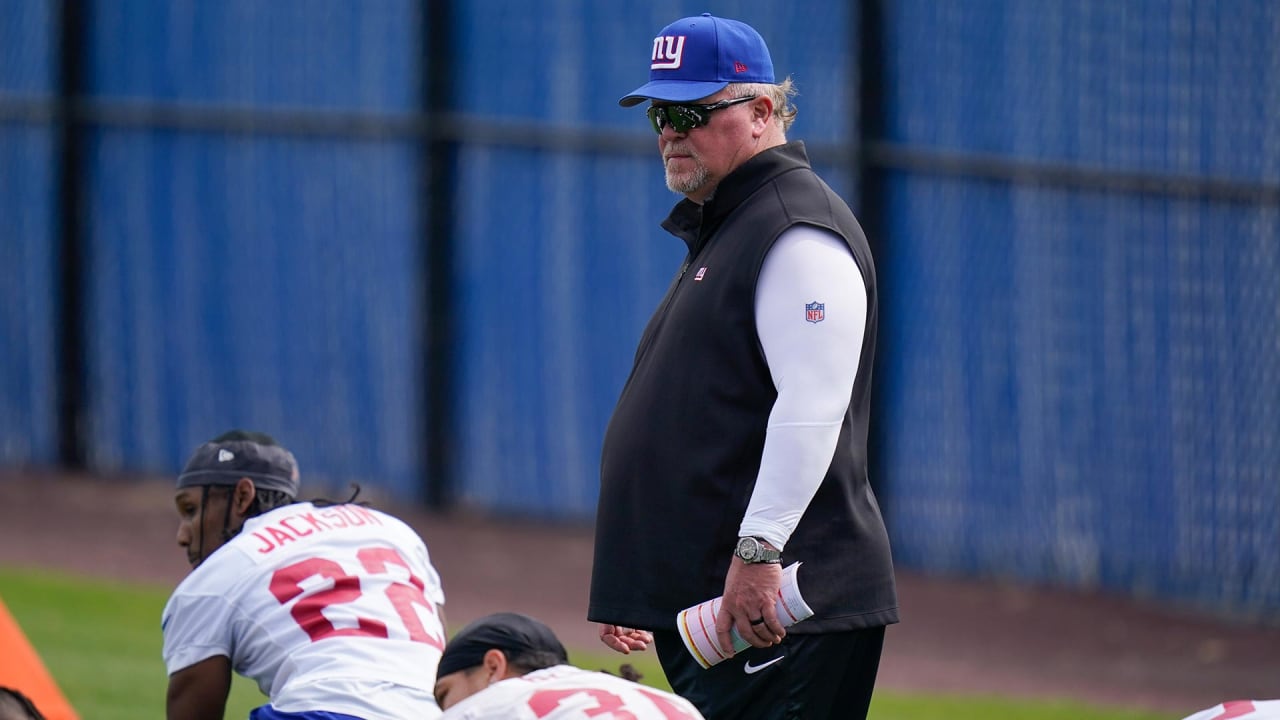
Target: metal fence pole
439, 153
870, 99
68, 210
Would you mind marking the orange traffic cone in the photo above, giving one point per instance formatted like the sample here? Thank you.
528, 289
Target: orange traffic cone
22, 669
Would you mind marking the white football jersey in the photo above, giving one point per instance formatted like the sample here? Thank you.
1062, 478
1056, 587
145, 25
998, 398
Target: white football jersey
327, 608
565, 692
1240, 710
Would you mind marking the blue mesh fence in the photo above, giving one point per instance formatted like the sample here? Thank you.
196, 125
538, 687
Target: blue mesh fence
247, 277
28, 237
1083, 385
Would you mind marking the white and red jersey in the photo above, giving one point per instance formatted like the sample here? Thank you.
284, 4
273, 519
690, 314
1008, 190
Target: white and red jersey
1240, 710
330, 608
565, 692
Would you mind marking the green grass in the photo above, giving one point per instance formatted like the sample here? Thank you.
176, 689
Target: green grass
892, 706
101, 641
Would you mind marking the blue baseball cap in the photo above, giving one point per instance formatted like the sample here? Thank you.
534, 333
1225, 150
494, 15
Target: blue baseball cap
699, 56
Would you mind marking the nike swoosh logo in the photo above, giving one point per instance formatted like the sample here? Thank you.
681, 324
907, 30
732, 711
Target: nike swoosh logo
750, 669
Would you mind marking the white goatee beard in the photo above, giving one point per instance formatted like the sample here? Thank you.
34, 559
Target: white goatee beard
689, 182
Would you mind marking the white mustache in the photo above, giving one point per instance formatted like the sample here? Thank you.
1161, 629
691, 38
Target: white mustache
676, 150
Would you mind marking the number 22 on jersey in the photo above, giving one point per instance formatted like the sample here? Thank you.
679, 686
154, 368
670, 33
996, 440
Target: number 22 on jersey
287, 584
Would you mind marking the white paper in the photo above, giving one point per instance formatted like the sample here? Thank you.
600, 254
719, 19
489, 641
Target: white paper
697, 624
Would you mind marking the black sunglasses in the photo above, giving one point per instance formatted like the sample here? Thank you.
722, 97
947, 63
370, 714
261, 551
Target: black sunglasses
683, 118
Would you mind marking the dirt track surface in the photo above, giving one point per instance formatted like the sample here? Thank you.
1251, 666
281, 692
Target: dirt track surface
956, 636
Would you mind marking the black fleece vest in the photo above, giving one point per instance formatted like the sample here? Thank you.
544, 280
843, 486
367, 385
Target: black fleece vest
682, 450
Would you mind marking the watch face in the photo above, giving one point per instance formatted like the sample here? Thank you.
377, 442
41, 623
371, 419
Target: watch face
748, 548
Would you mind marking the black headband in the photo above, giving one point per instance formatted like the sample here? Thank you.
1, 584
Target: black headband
511, 633
271, 467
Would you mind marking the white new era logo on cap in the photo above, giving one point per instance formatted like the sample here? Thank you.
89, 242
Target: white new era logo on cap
225, 455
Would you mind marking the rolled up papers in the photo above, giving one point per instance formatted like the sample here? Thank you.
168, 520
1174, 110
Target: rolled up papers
697, 624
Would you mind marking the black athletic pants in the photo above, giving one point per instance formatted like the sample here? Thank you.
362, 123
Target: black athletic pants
806, 677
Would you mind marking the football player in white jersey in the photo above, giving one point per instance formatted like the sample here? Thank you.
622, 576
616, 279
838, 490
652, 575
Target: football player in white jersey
333, 609
1240, 710
509, 666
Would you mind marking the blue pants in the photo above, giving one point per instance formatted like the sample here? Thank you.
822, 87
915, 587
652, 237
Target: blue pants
266, 712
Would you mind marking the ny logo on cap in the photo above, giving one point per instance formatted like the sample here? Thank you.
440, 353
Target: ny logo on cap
667, 52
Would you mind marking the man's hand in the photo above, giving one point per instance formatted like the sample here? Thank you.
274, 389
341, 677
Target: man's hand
624, 639
750, 598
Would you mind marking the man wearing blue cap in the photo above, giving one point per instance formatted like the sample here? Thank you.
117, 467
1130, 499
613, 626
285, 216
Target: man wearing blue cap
333, 609
739, 440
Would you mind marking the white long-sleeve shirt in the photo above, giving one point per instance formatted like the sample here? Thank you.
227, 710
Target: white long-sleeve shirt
813, 359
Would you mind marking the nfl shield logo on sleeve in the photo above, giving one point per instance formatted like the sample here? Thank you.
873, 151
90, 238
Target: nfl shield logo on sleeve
814, 312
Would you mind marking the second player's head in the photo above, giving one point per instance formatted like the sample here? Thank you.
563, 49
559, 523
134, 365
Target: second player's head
233, 477
493, 648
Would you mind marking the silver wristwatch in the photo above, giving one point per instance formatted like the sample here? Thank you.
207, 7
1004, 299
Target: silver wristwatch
752, 550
